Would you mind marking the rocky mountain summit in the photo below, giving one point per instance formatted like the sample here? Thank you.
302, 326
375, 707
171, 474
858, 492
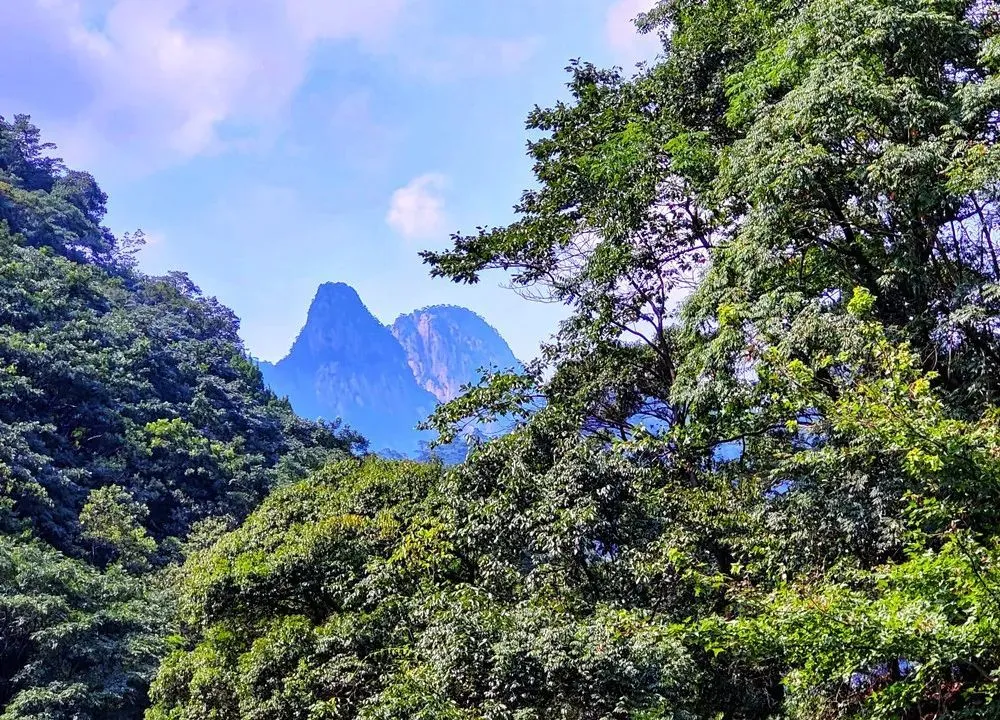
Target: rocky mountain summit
446, 346
382, 381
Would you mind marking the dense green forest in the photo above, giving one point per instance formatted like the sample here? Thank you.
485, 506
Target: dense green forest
132, 423
755, 474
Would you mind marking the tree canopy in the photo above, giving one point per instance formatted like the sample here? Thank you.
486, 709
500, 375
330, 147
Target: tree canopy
755, 472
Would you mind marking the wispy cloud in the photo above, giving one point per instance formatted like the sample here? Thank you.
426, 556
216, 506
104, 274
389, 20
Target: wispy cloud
459, 58
161, 81
375, 140
371, 20
169, 77
416, 210
626, 42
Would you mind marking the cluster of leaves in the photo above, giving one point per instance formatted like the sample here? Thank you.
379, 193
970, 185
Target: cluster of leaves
129, 413
763, 478
77, 642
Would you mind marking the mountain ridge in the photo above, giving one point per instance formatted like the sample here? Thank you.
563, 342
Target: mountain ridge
447, 345
382, 380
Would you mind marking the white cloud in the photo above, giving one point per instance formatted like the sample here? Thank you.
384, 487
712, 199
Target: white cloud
620, 31
344, 19
149, 83
416, 210
167, 78
374, 142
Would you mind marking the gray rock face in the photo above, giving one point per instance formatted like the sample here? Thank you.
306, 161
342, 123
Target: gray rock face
346, 364
447, 345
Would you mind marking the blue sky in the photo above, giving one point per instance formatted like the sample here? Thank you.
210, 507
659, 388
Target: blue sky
267, 146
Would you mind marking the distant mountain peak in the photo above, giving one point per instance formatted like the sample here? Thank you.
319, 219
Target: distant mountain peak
382, 381
336, 296
451, 312
336, 292
446, 345
339, 324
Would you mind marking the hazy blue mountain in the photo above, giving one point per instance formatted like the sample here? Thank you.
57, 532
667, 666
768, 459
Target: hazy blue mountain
381, 381
446, 346
345, 363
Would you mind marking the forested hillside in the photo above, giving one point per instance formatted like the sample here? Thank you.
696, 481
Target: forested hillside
130, 415
812, 527
754, 475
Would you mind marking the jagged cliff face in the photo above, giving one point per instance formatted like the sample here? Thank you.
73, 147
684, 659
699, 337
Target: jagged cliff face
381, 381
447, 345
